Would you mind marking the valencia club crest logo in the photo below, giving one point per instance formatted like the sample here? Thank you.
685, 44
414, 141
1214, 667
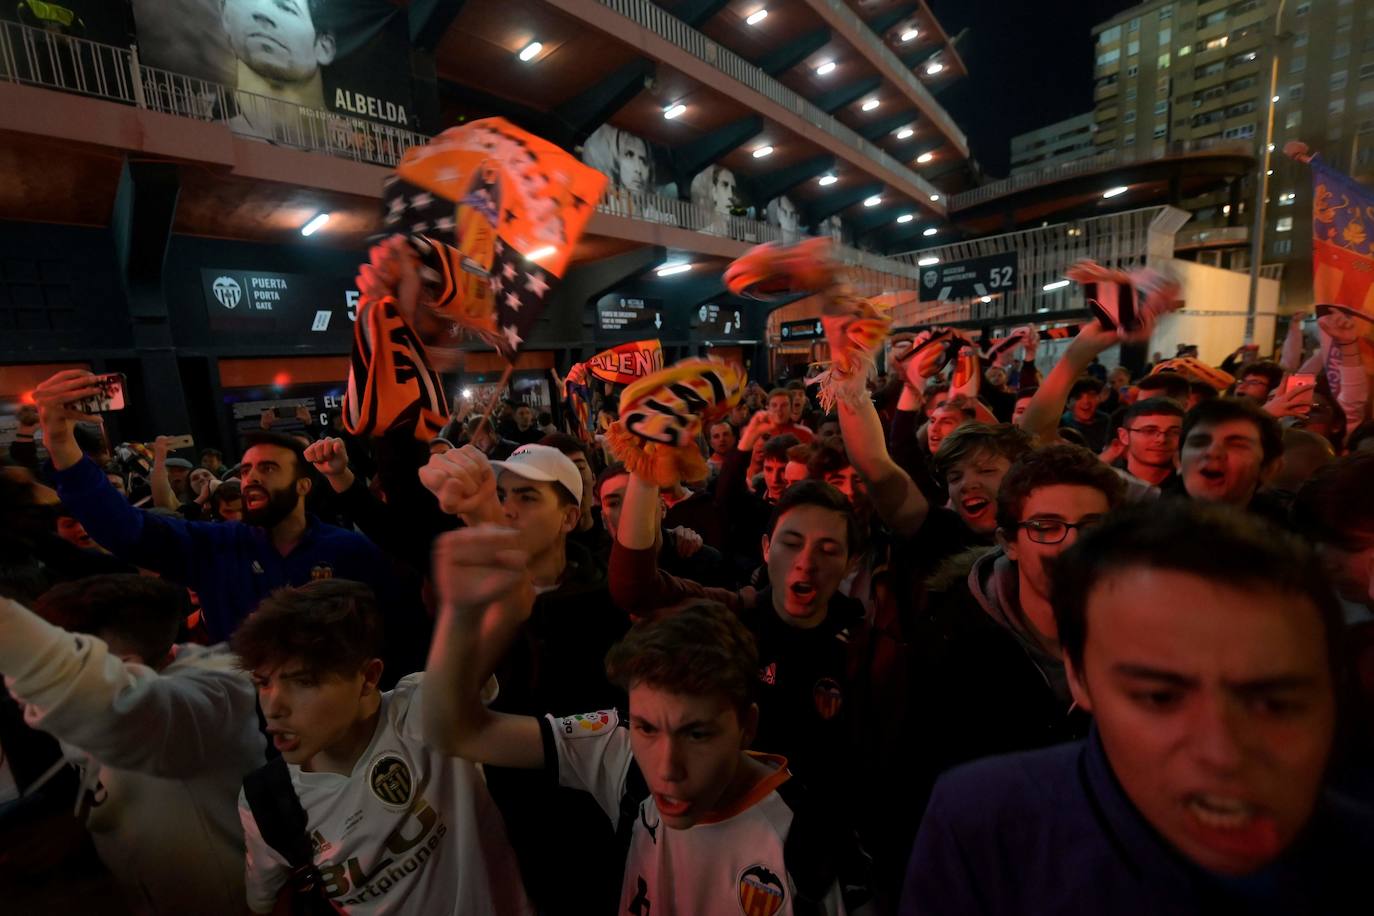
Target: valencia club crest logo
761, 892
828, 698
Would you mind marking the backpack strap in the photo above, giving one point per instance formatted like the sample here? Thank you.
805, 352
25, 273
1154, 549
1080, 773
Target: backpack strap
636, 790
281, 821
820, 851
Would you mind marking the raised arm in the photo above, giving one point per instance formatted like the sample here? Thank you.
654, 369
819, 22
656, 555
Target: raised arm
638, 586
76, 689
900, 503
485, 593
161, 484
1045, 409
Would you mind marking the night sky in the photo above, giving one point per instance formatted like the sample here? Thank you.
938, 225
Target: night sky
1030, 64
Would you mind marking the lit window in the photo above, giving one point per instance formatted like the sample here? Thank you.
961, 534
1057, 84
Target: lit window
1293, 120
1163, 62
1128, 117
1165, 35
1338, 80
1286, 199
1336, 106
1284, 224
1132, 48
1282, 246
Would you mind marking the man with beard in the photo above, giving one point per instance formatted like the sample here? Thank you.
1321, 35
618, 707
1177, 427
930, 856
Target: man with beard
231, 566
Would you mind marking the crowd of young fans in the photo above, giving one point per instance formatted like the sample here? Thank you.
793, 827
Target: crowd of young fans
1071, 643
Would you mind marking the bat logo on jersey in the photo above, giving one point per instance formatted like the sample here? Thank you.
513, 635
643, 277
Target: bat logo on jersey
585, 725
389, 777
761, 893
828, 698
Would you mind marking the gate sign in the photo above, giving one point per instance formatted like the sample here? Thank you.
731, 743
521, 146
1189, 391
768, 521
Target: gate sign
986, 276
621, 313
809, 329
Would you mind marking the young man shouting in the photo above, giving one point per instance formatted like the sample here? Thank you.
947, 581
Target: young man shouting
708, 824
395, 824
1205, 644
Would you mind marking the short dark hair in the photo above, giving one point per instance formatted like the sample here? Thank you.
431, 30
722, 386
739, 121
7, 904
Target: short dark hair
280, 440
568, 445
1270, 371
1152, 407
722, 421
1011, 442
777, 447
1216, 542
207, 452
613, 471
699, 650
780, 393
1083, 386
331, 625
1070, 465
223, 493
1224, 410
1357, 435
827, 457
142, 611
1171, 384
1336, 504
821, 494
1202, 390
800, 453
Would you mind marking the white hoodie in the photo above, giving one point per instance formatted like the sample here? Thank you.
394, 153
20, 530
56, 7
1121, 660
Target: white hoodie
163, 756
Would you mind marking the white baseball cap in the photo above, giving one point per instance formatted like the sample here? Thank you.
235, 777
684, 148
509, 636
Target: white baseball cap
543, 463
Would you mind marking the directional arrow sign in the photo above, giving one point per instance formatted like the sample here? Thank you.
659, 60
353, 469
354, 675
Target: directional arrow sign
995, 273
624, 313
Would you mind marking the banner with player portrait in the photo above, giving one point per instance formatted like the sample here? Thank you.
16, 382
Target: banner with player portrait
348, 57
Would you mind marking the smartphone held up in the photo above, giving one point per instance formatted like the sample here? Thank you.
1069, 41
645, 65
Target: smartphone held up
109, 398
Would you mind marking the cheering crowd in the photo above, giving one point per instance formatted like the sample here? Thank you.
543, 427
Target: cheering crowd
973, 639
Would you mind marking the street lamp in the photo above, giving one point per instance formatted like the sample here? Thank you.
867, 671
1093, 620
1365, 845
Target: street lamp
1262, 178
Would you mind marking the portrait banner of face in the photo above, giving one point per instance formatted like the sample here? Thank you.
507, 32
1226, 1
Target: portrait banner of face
319, 54
714, 190
622, 157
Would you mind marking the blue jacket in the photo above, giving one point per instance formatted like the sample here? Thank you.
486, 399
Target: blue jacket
230, 566
1051, 831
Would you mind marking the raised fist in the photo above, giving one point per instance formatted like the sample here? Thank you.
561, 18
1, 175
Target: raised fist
463, 481
329, 456
474, 567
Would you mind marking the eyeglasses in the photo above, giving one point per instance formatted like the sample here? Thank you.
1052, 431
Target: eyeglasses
1053, 531
1154, 432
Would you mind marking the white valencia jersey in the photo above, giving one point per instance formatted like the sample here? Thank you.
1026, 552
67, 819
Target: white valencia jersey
733, 865
410, 831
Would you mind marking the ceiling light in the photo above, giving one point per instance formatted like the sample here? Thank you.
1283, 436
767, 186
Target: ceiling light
316, 222
925, 157
667, 270
672, 111
541, 253
827, 180
1270, 172
1057, 284
873, 201
467, 392
934, 69
910, 35
934, 197
757, 16
1113, 192
1274, 99
905, 132
929, 232
905, 218
825, 68
1271, 147
986, 299
763, 151
927, 262
529, 51
870, 104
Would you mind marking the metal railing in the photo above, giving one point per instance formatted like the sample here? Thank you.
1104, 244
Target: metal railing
1102, 161
36, 57
1125, 240
671, 29
925, 99
681, 214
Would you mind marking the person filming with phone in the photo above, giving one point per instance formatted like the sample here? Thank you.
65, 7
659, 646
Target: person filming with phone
232, 566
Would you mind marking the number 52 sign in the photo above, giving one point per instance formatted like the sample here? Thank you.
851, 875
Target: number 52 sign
985, 276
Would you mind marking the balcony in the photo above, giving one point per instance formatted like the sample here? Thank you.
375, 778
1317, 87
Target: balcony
35, 57
1212, 237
